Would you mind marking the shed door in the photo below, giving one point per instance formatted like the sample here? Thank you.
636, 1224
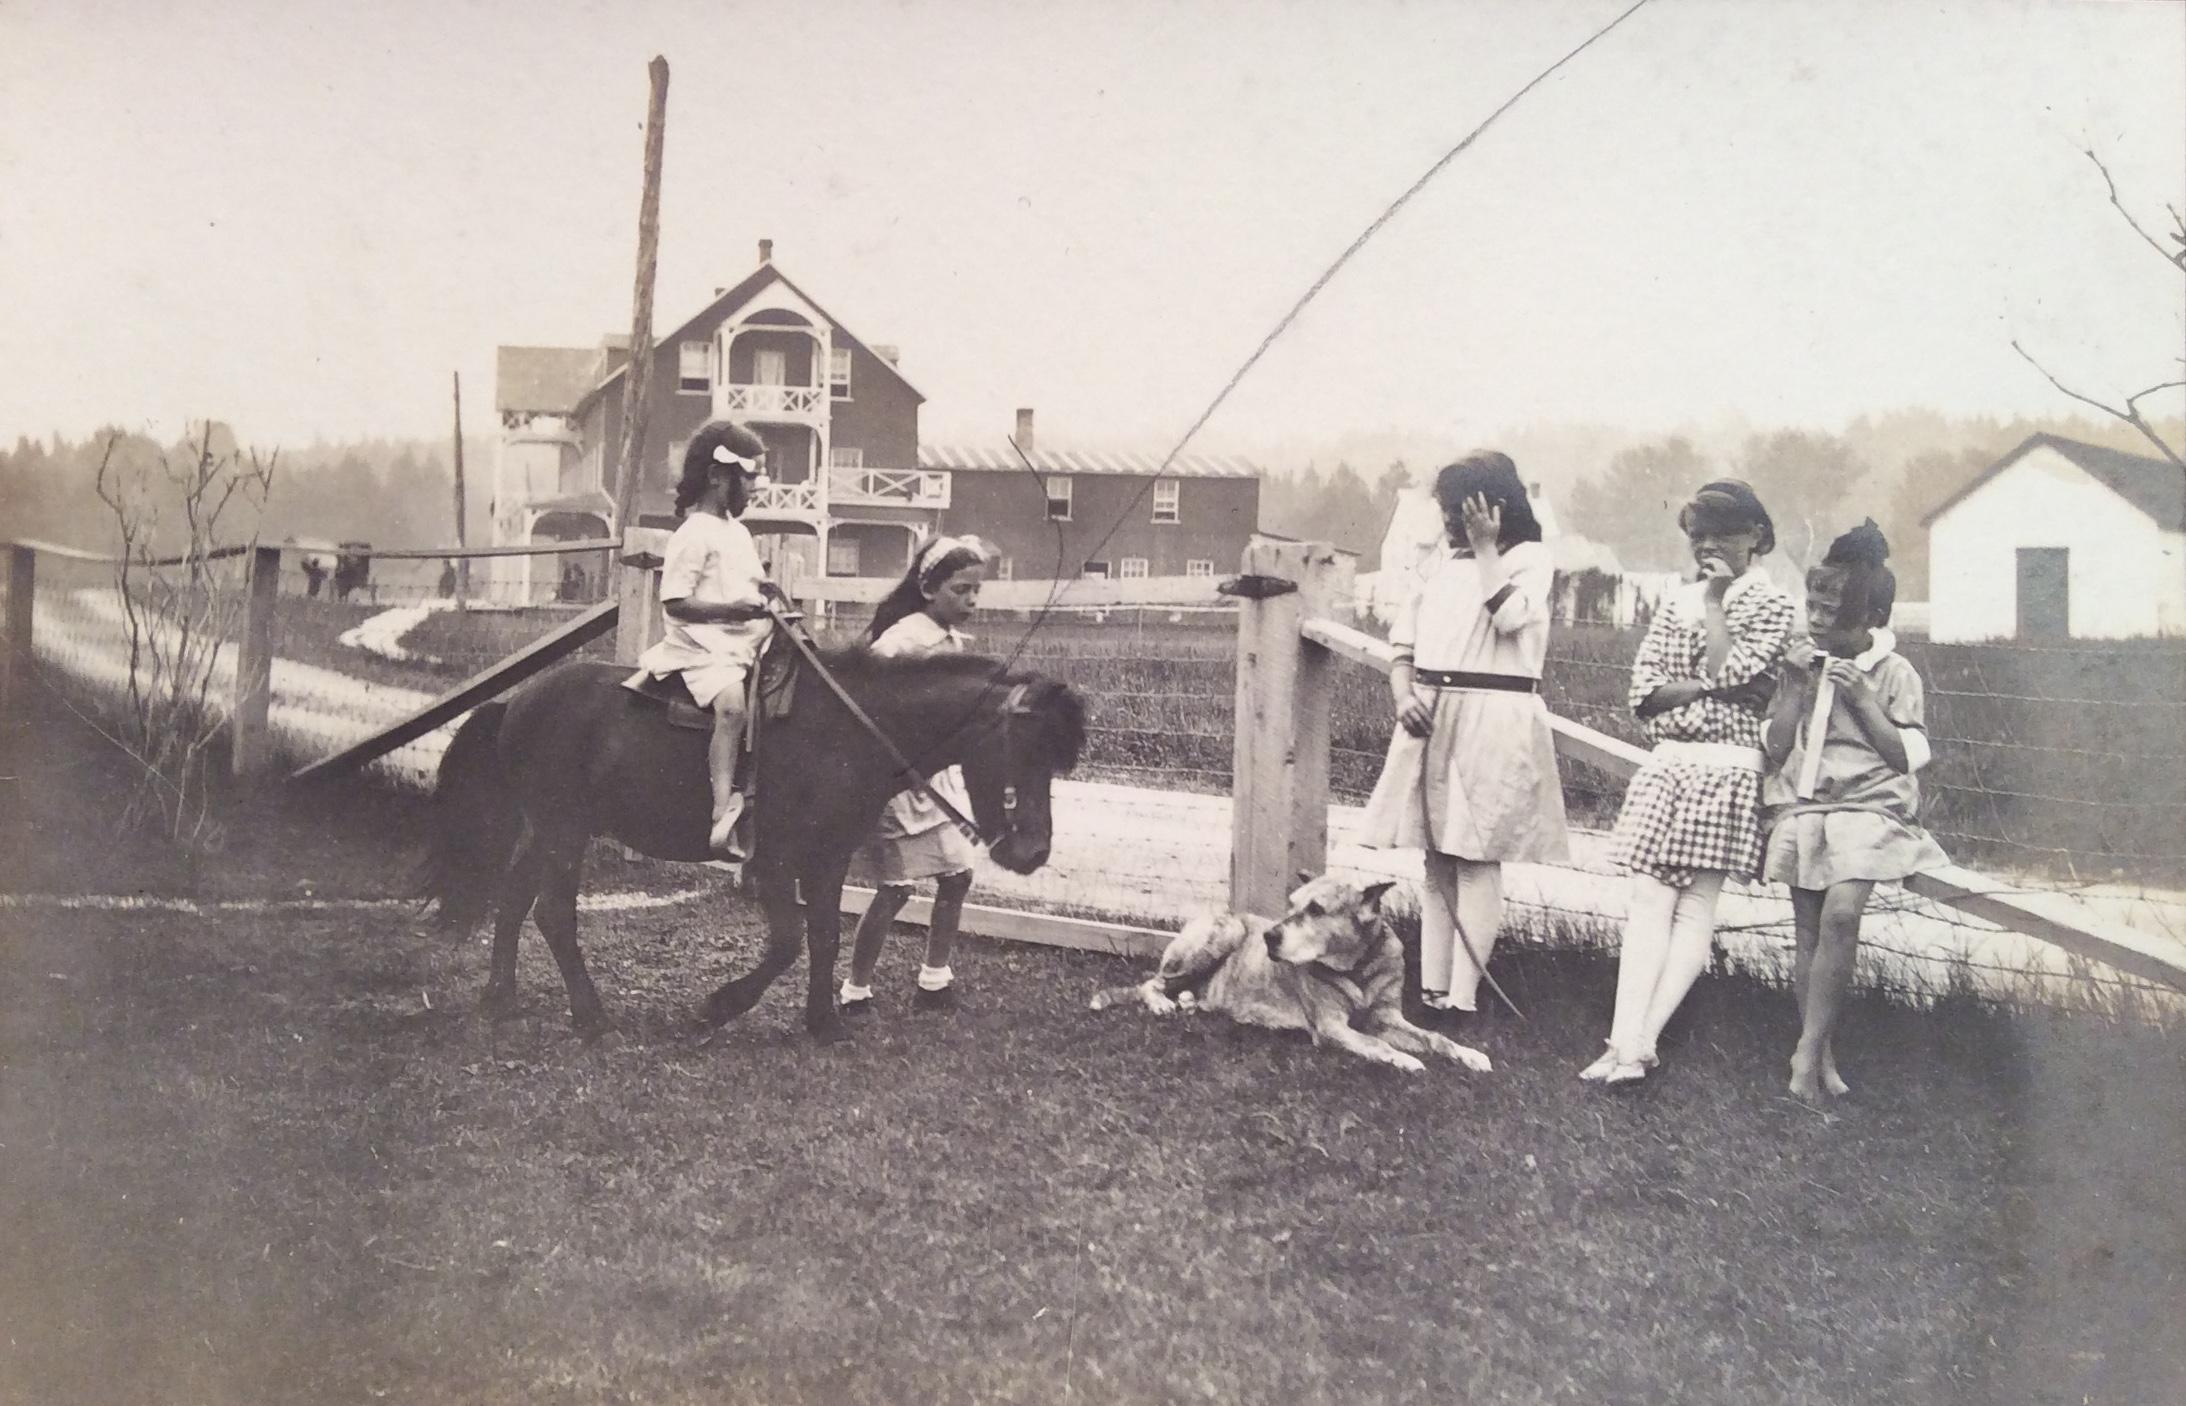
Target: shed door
2044, 594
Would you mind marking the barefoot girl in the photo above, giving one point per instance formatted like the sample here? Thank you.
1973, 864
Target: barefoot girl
1470, 777
1691, 815
916, 839
1846, 814
712, 595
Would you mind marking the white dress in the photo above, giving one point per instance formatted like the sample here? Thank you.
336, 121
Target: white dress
915, 838
1481, 785
713, 561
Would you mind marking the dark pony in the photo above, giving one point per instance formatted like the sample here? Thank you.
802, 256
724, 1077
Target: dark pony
572, 754
1490, 474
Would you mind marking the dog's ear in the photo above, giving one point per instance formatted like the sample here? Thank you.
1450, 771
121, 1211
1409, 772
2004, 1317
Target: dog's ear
1372, 893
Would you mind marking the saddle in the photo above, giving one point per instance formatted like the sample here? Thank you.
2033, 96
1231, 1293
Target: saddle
769, 691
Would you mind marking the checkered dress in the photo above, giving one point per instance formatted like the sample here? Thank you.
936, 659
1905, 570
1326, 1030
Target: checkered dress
1681, 816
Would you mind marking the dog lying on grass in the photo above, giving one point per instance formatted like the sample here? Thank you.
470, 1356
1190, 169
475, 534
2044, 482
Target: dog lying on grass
1333, 966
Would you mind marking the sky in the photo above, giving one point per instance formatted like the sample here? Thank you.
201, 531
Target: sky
300, 217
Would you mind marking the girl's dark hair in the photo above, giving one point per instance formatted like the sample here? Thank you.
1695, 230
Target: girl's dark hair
933, 564
1491, 474
1730, 504
1859, 559
698, 460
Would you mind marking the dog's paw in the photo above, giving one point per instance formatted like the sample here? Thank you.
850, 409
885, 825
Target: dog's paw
1160, 1004
1188, 1000
1472, 1059
1410, 1064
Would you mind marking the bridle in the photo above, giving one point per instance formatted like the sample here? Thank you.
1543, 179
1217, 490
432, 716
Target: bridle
1014, 705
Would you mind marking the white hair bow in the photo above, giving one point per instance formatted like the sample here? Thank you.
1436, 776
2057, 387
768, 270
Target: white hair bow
722, 454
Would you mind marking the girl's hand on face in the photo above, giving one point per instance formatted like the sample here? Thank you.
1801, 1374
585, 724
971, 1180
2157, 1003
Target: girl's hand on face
1483, 524
1416, 717
1799, 652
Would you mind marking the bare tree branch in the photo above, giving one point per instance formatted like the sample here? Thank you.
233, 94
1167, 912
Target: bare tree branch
2176, 259
2130, 415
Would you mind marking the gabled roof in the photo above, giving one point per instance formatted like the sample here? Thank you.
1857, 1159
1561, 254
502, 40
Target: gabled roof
736, 297
2155, 486
547, 379
1003, 459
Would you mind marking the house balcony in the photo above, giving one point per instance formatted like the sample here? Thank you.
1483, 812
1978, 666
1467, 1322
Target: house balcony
794, 405
889, 488
805, 500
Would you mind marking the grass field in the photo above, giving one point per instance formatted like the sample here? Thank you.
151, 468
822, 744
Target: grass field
264, 1156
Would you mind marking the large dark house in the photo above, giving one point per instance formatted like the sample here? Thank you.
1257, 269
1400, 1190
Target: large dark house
851, 492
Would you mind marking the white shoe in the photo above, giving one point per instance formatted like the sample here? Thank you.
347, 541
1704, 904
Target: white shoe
1594, 1073
1625, 1071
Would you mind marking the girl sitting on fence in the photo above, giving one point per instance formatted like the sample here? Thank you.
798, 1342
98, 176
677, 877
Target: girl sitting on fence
1691, 816
1470, 776
916, 839
1844, 738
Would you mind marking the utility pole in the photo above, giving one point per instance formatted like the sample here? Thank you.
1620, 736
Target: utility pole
639, 369
462, 564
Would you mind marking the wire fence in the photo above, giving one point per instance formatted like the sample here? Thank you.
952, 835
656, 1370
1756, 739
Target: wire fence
2060, 766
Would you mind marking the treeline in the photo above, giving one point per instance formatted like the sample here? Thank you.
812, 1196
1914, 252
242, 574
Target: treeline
1622, 491
388, 492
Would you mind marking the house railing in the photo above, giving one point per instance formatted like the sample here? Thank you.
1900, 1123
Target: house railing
910, 488
788, 402
805, 496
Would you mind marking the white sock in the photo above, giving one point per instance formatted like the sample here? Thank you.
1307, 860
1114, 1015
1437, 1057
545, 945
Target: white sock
934, 978
854, 993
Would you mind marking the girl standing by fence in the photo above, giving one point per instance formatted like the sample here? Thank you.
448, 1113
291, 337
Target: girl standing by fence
1470, 776
916, 839
1691, 817
1840, 787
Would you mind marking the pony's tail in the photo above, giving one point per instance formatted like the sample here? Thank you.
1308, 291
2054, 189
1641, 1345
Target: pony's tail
475, 822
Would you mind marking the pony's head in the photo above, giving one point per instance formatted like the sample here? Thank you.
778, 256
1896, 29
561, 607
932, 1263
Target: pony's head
1037, 732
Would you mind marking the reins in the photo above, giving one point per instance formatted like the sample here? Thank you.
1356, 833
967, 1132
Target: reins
792, 627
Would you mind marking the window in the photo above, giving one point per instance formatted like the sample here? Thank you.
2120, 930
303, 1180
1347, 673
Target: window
1132, 568
1199, 566
838, 374
694, 368
842, 556
1095, 571
1005, 569
770, 366
842, 457
1165, 499
1058, 501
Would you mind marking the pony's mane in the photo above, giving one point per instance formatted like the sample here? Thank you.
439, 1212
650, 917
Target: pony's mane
1060, 707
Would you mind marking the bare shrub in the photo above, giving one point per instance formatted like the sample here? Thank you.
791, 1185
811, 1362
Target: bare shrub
181, 594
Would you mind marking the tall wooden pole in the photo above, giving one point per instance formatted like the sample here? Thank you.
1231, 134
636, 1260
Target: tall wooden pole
462, 564
639, 370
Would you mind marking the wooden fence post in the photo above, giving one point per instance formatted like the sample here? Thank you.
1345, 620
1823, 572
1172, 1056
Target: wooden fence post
16, 660
637, 586
1285, 683
250, 745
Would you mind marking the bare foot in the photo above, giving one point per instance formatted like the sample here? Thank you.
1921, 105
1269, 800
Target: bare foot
1806, 1082
1832, 1081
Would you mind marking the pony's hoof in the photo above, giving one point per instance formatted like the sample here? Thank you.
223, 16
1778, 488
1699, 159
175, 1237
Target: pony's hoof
593, 1028
498, 1003
830, 1031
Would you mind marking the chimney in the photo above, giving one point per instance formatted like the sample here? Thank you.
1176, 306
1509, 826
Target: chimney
891, 355
1024, 432
766, 251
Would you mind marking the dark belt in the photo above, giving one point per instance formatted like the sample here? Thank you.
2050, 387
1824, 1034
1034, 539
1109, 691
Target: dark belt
1457, 678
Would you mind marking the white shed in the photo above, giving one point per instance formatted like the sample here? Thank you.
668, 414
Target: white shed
2057, 540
